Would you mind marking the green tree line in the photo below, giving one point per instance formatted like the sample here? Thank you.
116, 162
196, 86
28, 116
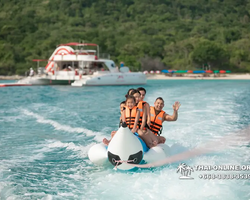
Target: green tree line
179, 34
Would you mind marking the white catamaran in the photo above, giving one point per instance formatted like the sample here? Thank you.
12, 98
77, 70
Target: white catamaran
80, 64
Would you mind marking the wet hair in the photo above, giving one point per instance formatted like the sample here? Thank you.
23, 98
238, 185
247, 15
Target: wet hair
130, 97
123, 102
142, 88
160, 98
134, 92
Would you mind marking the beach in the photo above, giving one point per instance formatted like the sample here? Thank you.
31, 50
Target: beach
14, 77
199, 76
174, 77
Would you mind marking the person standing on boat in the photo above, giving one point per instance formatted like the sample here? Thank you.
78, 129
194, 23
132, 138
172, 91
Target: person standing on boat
31, 72
158, 116
121, 64
69, 68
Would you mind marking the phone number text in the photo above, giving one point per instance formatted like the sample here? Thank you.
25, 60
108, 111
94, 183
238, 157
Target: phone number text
224, 176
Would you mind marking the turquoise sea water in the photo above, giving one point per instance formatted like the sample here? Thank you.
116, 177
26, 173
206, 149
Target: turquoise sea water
46, 131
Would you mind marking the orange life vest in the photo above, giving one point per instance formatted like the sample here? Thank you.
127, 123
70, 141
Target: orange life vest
130, 115
156, 120
140, 106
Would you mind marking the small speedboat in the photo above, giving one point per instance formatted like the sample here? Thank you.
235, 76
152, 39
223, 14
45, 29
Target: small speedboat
127, 148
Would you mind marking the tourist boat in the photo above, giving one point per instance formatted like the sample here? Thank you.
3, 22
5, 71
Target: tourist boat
80, 64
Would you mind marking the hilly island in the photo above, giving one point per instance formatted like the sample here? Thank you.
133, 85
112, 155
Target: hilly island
145, 35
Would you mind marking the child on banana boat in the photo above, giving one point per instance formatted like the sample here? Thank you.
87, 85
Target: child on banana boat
122, 105
105, 140
130, 115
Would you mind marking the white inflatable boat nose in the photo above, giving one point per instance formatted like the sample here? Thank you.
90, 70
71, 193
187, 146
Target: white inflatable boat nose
98, 154
125, 148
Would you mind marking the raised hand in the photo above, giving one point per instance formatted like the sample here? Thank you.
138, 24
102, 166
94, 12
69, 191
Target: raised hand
176, 106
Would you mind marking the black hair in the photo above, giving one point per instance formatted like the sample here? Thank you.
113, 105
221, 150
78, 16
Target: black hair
160, 98
142, 88
129, 91
123, 102
134, 92
130, 97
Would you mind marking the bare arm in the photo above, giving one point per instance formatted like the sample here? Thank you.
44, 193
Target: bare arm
144, 118
148, 114
173, 117
123, 116
136, 121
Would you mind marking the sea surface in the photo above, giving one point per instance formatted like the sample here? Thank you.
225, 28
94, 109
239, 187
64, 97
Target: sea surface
46, 132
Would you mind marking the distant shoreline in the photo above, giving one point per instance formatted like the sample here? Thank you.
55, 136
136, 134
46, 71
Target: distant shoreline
199, 77
14, 77
174, 77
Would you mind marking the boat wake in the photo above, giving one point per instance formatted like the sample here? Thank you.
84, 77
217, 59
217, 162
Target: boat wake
226, 142
79, 149
60, 127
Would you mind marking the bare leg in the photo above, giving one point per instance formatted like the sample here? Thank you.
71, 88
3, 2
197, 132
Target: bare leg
113, 133
106, 141
158, 139
148, 139
153, 137
161, 139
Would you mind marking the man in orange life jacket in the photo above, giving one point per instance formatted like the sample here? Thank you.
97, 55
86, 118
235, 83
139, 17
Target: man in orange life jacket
158, 116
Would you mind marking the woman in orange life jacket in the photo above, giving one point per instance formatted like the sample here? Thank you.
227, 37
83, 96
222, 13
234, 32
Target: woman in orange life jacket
149, 138
158, 116
105, 140
140, 104
146, 105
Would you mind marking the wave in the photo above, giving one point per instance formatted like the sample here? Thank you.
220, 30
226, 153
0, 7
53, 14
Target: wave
61, 127
52, 144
